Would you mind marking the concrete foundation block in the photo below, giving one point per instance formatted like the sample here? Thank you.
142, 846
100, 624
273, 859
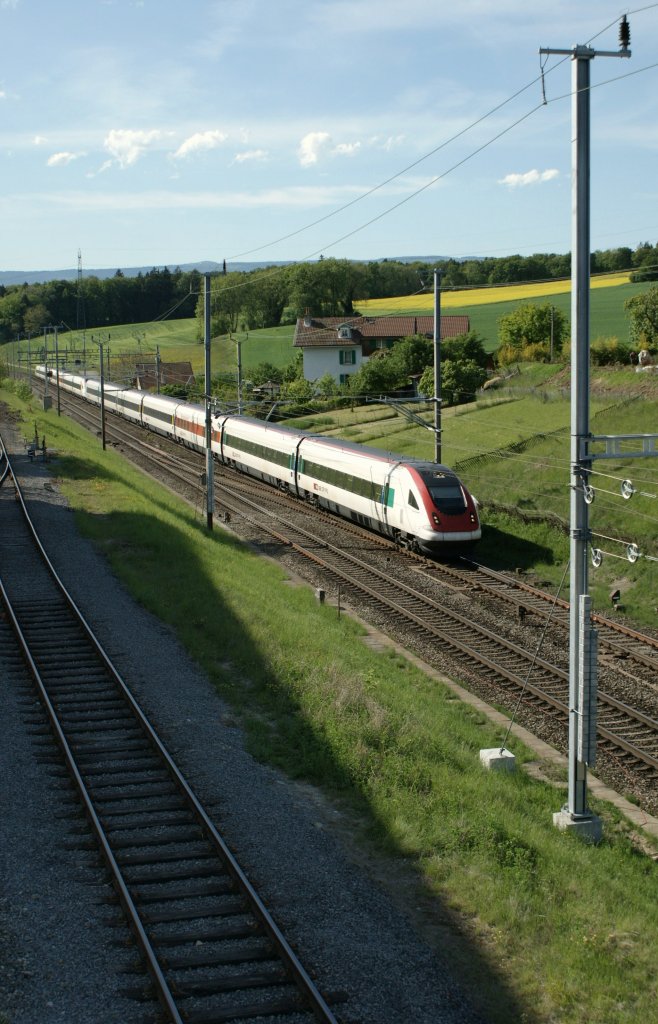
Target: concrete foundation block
589, 827
496, 759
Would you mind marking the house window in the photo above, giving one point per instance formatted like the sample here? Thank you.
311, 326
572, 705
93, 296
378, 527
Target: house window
347, 356
345, 333
344, 378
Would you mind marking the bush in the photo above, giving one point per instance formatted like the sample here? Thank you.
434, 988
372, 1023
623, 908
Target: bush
23, 391
540, 352
608, 351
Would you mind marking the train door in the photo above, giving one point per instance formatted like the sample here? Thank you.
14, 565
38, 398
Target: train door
385, 501
295, 466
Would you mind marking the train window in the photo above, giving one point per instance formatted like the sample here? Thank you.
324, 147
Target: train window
412, 500
446, 492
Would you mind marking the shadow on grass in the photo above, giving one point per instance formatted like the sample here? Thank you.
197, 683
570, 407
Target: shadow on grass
160, 565
503, 549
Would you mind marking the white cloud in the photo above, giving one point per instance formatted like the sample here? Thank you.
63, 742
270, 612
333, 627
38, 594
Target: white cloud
311, 146
3, 94
200, 141
61, 159
126, 146
39, 140
392, 142
250, 154
347, 148
314, 145
533, 177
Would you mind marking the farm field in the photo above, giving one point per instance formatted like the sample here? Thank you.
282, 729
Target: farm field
485, 306
178, 339
541, 927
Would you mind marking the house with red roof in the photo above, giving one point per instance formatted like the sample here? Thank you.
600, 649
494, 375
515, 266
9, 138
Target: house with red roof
339, 346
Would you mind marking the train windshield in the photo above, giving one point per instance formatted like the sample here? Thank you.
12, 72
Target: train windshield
445, 491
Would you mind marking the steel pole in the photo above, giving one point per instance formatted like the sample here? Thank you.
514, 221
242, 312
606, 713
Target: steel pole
580, 282
437, 366
100, 348
57, 371
239, 344
210, 489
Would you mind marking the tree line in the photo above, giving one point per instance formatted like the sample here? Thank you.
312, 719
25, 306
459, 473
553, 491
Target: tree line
94, 302
277, 295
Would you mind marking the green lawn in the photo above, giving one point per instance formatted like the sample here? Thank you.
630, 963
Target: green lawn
541, 927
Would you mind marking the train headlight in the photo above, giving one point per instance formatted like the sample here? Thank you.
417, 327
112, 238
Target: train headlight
435, 519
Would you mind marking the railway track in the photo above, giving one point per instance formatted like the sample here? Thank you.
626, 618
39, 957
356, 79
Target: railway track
617, 642
632, 735
628, 734
212, 950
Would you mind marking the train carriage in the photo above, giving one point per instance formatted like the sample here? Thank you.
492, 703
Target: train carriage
261, 449
421, 505
190, 424
158, 413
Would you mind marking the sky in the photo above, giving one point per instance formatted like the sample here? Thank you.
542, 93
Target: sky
162, 132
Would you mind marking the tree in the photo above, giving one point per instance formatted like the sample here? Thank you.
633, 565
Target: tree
530, 327
265, 372
13, 307
299, 390
326, 386
643, 312
460, 379
465, 346
36, 318
379, 376
411, 355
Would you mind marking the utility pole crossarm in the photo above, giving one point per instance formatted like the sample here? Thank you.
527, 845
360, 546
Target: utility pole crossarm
637, 446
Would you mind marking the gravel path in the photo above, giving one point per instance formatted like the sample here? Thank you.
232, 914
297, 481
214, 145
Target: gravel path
59, 955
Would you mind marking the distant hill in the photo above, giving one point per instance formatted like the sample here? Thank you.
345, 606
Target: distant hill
8, 277
71, 273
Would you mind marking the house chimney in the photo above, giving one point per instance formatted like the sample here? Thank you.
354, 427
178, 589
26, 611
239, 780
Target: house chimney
308, 319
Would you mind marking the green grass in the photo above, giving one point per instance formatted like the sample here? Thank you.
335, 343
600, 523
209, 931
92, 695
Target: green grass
519, 486
178, 339
607, 314
542, 927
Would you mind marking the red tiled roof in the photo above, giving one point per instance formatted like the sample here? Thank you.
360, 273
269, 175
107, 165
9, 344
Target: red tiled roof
323, 332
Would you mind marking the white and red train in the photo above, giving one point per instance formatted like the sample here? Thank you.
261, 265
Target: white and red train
420, 505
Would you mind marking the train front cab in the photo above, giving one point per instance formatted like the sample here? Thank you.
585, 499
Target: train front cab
447, 518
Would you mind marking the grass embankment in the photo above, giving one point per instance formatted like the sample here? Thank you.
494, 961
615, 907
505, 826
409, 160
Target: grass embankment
178, 341
512, 449
542, 927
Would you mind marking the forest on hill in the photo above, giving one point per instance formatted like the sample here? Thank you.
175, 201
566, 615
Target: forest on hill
278, 294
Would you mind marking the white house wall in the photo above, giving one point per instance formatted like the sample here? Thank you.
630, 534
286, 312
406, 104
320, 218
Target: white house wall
320, 361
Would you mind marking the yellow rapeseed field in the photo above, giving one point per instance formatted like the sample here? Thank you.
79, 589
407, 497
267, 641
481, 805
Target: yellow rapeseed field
484, 296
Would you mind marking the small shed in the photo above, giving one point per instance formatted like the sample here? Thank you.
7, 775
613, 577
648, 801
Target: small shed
147, 374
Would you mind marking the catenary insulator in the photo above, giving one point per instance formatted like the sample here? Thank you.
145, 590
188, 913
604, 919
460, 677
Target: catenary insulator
632, 553
624, 33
